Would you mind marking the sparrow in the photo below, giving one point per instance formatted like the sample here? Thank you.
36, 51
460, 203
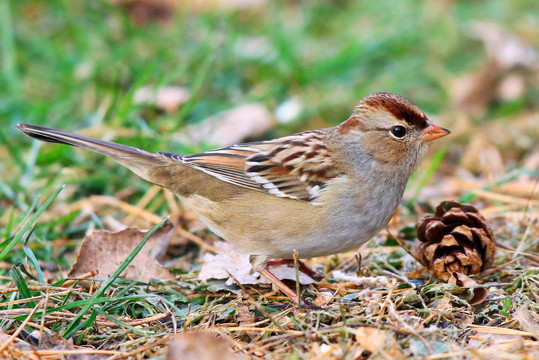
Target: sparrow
317, 192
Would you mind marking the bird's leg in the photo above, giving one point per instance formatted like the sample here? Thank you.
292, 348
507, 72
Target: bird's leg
281, 285
302, 267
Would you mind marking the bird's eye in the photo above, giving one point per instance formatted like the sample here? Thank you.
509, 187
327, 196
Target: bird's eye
398, 131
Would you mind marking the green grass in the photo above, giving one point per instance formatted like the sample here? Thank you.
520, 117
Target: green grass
77, 64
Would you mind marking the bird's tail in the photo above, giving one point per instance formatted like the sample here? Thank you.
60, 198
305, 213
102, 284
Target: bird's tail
142, 163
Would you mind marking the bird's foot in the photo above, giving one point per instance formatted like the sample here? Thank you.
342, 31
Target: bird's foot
301, 267
281, 285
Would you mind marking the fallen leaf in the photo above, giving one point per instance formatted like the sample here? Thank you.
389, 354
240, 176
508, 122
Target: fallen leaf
444, 303
494, 346
527, 320
104, 251
509, 62
472, 92
15, 350
231, 126
4, 338
227, 260
324, 298
51, 341
507, 49
481, 156
166, 98
463, 281
200, 345
370, 338
244, 316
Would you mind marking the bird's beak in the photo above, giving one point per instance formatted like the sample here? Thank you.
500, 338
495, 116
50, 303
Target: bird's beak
433, 132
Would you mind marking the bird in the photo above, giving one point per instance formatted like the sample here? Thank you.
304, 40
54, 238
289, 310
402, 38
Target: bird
313, 193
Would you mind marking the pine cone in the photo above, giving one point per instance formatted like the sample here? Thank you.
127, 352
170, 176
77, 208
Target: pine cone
455, 239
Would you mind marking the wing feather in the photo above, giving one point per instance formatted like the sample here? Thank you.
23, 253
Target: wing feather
296, 166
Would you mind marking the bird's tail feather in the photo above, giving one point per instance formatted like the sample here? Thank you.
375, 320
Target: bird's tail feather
136, 160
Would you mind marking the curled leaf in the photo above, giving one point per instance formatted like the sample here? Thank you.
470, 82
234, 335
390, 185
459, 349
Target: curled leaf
479, 294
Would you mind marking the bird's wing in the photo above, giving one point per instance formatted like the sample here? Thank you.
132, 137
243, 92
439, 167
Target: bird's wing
296, 166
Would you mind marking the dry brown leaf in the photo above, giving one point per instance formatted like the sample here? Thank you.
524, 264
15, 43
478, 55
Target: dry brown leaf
231, 126
371, 339
498, 347
104, 251
200, 345
472, 92
227, 260
502, 76
11, 352
166, 98
507, 49
324, 298
444, 303
527, 320
481, 156
244, 316
52, 341
461, 280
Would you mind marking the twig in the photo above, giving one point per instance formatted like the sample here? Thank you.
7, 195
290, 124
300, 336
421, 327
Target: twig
399, 241
72, 352
499, 267
530, 256
69, 282
504, 198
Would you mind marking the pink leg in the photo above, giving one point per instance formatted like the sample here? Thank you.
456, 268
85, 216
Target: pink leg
302, 267
281, 285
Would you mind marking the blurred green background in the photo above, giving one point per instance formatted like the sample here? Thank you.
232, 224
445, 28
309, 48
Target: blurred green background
79, 64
